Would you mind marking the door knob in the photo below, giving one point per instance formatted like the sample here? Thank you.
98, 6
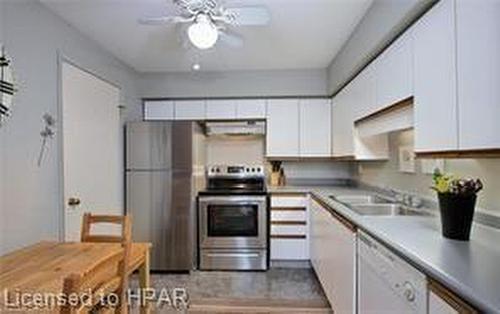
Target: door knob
74, 201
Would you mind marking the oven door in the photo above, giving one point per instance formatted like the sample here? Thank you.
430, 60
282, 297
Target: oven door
233, 222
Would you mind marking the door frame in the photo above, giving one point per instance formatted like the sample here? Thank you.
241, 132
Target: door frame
61, 59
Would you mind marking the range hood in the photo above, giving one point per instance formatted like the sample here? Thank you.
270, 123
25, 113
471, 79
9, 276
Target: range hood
235, 128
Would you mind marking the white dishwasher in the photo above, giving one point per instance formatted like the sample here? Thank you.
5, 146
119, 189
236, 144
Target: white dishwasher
387, 283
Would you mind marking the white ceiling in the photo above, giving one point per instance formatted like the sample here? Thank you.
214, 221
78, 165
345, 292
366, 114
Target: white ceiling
302, 34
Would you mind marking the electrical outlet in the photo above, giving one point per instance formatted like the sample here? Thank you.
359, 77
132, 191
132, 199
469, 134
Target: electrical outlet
429, 165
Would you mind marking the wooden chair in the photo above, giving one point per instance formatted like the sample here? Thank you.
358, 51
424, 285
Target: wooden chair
102, 279
110, 282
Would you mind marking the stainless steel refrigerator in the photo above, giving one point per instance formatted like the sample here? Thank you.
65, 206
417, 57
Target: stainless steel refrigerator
159, 191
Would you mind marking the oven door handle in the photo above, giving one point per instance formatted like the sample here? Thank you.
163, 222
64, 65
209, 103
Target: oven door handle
232, 254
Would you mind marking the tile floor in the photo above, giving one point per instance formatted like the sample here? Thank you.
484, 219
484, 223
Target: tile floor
246, 292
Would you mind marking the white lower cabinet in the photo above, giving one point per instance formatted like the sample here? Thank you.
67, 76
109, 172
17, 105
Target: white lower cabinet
333, 257
443, 301
439, 306
289, 227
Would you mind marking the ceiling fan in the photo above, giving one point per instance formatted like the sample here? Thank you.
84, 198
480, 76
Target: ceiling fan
208, 21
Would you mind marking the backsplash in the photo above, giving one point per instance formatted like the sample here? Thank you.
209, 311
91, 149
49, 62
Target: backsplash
318, 170
387, 174
224, 149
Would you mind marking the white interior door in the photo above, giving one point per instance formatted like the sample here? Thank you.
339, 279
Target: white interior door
92, 148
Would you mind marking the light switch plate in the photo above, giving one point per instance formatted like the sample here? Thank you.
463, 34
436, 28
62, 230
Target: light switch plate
406, 159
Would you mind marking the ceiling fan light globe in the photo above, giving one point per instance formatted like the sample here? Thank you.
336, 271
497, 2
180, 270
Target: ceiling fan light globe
203, 34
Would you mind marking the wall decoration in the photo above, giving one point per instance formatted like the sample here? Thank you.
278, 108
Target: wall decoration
7, 85
406, 159
47, 133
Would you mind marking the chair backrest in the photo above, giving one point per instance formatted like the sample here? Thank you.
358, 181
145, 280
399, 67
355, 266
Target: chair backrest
125, 238
89, 220
88, 288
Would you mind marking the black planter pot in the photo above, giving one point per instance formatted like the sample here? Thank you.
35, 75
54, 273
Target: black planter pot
457, 213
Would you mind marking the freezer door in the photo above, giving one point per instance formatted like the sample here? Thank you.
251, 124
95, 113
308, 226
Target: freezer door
160, 205
149, 145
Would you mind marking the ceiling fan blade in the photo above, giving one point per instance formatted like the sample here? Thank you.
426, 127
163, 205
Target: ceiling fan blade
162, 20
231, 39
248, 16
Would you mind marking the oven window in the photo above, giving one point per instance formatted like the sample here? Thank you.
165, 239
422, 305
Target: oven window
233, 220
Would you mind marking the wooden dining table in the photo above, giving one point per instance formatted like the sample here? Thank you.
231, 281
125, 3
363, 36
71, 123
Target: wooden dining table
42, 267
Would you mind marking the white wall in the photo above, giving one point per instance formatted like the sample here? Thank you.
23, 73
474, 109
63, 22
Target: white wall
387, 174
383, 21
31, 199
2, 152
237, 83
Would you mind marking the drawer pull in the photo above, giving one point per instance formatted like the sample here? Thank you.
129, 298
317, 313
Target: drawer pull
288, 236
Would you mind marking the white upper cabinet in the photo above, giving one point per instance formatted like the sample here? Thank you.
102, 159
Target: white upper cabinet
363, 92
251, 109
158, 110
190, 110
315, 128
221, 109
394, 72
435, 87
342, 124
282, 128
478, 42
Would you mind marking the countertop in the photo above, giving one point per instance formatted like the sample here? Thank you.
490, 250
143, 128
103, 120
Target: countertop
470, 269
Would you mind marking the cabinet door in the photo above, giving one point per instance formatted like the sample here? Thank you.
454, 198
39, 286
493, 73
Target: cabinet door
394, 72
478, 53
283, 128
336, 268
363, 90
435, 106
221, 109
341, 267
190, 110
342, 125
158, 110
439, 306
315, 128
251, 109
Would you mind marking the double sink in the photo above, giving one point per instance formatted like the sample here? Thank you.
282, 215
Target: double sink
374, 205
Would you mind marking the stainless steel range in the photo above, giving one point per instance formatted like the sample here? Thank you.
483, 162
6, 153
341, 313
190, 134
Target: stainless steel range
233, 219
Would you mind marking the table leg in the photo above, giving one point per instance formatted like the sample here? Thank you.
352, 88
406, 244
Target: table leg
145, 280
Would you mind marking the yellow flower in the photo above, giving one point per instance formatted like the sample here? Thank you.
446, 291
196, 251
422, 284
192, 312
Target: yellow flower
442, 185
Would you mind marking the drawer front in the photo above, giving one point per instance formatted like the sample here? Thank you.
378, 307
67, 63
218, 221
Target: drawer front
288, 230
230, 260
289, 249
288, 215
288, 201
